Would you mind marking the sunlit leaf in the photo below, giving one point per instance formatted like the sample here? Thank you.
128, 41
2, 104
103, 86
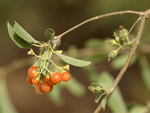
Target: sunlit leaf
145, 70
49, 34
23, 34
73, 61
16, 39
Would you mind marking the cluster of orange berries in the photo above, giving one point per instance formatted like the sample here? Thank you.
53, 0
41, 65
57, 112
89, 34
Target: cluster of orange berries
45, 84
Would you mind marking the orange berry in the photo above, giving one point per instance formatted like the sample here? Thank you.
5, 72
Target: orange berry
56, 77
46, 87
32, 71
47, 79
50, 82
35, 81
66, 76
29, 80
40, 89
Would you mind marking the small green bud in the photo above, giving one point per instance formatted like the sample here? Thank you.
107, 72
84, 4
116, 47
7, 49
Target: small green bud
31, 52
112, 54
59, 51
66, 67
113, 42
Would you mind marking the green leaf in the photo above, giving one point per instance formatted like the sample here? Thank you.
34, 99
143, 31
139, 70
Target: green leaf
138, 109
75, 87
16, 39
145, 70
56, 96
96, 89
91, 72
23, 34
98, 97
49, 34
40, 61
73, 61
104, 102
6, 106
120, 61
95, 84
116, 102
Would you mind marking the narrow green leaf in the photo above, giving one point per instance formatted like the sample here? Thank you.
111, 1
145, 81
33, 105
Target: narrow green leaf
104, 102
91, 72
96, 84
49, 34
75, 87
23, 34
98, 97
116, 102
138, 109
120, 61
73, 61
90, 88
56, 96
145, 70
6, 106
96, 89
16, 39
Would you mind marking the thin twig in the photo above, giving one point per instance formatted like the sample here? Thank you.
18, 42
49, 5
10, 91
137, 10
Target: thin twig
95, 18
144, 16
99, 17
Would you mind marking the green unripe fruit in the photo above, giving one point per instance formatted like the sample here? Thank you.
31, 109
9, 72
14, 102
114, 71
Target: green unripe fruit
113, 42
124, 31
130, 43
122, 36
117, 39
112, 54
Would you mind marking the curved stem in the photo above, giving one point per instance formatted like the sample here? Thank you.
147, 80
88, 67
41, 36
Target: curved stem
144, 16
95, 18
98, 17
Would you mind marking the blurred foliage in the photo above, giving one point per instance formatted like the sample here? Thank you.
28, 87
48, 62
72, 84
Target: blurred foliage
36, 16
6, 105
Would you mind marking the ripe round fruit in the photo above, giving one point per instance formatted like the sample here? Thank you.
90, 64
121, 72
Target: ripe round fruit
32, 71
29, 80
46, 87
47, 79
66, 76
35, 81
50, 82
40, 89
56, 77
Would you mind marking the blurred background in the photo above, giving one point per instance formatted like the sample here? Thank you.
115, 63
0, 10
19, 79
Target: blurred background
60, 15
